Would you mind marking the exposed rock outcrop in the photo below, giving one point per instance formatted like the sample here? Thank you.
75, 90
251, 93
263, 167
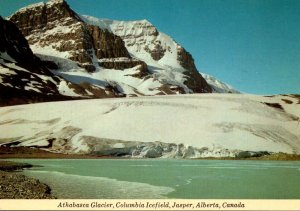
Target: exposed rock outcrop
124, 63
43, 16
106, 44
194, 79
157, 52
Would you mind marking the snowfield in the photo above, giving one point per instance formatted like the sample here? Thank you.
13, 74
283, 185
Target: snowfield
197, 125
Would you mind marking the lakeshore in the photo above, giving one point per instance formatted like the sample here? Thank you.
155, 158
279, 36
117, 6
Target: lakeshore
167, 178
19, 184
104, 178
14, 185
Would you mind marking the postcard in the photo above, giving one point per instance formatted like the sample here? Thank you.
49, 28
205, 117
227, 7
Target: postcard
149, 105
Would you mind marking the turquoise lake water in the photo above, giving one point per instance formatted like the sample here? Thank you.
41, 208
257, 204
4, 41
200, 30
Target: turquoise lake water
160, 178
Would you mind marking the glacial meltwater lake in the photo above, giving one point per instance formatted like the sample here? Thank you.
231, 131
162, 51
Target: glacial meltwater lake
163, 178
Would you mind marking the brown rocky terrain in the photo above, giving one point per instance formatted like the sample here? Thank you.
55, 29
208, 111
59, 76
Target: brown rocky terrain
14, 185
17, 186
31, 152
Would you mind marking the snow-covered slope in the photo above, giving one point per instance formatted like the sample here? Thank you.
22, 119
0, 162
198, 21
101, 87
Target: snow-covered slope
218, 86
159, 126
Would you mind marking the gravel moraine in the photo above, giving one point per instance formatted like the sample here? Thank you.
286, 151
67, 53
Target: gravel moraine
14, 185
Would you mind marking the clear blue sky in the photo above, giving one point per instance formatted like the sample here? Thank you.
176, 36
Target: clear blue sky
254, 45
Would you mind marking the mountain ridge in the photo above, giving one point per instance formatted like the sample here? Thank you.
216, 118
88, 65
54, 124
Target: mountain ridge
159, 80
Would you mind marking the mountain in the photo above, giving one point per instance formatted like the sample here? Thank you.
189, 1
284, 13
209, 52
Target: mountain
108, 58
165, 58
181, 126
24, 77
158, 50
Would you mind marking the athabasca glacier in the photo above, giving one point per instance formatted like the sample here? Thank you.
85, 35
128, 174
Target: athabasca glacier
183, 126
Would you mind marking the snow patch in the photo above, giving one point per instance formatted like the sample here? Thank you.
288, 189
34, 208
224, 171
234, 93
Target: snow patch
64, 89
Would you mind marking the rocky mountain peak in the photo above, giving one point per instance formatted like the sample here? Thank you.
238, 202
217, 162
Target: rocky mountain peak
157, 49
39, 15
55, 28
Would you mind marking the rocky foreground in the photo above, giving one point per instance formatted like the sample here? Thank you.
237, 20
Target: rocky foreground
17, 186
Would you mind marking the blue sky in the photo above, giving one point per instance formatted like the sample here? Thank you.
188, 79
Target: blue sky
254, 45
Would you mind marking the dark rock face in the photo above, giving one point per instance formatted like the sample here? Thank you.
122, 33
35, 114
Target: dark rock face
24, 77
15, 45
194, 79
157, 53
36, 21
124, 64
106, 44
170, 89
55, 24
38, 17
